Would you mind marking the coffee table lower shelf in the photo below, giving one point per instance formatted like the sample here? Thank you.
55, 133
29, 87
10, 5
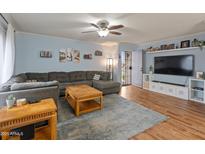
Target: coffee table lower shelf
84, 106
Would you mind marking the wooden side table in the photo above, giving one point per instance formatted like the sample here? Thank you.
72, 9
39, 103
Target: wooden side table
29, 114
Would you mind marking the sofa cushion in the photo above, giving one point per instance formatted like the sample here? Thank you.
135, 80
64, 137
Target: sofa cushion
32, 85
63, 85
5, 87
103, 75
105, 84
41, 77
77, 76
17, 78
59, 76
91, 74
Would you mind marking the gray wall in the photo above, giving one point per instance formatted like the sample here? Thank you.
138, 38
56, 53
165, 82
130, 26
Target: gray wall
198, 54
28, 47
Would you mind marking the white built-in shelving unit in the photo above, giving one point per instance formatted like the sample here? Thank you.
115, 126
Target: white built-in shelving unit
196, 90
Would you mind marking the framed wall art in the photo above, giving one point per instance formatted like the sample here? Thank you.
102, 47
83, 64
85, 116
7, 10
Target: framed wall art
87, 56
45, 54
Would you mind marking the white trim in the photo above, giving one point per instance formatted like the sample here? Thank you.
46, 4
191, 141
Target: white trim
172, 50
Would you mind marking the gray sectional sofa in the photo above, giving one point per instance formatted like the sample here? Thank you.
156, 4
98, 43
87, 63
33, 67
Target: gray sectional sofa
35, 86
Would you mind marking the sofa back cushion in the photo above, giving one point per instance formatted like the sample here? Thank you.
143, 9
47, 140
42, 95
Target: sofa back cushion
41, 77
91, 74
20, 78
5, 87
77, 76
59, 76
103, 75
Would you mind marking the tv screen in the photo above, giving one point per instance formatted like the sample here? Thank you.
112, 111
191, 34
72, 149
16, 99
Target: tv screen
174, 65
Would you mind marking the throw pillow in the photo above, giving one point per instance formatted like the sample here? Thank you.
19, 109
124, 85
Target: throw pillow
96, 77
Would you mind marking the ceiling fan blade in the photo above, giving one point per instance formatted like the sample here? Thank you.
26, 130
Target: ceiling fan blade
115, 33
89, 31
115, 27
94, 25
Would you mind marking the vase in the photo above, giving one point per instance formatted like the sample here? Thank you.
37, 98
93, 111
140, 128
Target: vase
10, 103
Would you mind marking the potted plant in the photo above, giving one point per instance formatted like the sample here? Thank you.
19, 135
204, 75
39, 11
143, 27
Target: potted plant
10, 100
151, 69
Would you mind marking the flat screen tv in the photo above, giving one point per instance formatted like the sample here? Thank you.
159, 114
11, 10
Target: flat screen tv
174, 65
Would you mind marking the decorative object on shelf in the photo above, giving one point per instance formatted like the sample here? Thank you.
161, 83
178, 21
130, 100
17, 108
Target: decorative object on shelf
200, 75
10, 101
45, 54
195, 43
88, 56
109, 67
151, 49
162, 47
76, 56
151, 69
98, 53
20, 102
171, 46
185, 44
65, 55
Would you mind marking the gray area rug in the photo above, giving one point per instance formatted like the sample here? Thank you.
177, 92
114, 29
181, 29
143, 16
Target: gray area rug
120, 119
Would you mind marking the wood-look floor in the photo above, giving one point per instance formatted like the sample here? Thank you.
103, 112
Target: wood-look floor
186, 119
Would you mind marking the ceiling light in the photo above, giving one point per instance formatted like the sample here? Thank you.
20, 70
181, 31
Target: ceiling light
103, 33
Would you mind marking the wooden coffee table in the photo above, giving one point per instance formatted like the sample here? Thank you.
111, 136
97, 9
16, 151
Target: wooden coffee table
83, 98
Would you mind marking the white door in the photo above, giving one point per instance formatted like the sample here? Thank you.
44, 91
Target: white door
137, 68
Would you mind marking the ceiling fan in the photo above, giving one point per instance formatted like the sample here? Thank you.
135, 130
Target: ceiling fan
104, 29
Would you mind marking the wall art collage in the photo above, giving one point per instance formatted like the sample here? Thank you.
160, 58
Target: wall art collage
70, 55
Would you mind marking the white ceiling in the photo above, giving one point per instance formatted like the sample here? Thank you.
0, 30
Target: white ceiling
138, 27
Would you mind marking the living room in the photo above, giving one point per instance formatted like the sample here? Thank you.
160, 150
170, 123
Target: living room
102, 76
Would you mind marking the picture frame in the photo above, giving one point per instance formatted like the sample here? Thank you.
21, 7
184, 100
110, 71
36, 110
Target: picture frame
65, 55
87, 56
98, 53
76, 56
45, 54
171, 46
200, 75
185, 44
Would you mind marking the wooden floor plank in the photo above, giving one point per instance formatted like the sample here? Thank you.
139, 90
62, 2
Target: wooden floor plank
186, 119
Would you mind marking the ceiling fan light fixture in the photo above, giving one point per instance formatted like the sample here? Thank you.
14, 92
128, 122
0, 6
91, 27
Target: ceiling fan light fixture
103, 33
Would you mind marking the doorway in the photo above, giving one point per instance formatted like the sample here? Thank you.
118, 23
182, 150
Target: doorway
137, 65
126, 68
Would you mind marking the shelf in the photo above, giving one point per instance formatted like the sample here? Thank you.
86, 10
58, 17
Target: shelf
171, 50
197, 99
197, 90
200, 80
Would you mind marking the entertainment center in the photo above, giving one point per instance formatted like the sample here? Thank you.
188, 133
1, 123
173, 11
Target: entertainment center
178, 65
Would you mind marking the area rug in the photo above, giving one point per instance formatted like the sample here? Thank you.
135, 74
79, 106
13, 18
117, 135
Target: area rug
120, 119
